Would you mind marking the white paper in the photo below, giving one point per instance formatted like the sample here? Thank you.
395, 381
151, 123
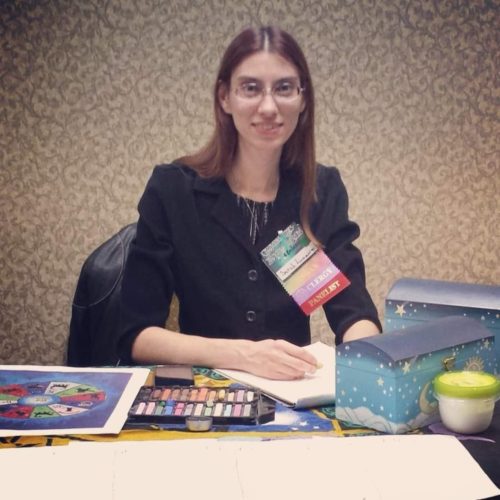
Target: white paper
370, 467
316, 389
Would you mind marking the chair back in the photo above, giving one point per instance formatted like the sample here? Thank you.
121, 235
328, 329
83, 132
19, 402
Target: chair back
95, 314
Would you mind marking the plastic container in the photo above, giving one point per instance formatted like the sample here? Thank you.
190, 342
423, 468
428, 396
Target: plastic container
466, 399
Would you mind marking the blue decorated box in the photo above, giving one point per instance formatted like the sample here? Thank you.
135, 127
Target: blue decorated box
384, 382
411, 301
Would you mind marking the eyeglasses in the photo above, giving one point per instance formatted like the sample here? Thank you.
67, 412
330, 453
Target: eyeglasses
283, 92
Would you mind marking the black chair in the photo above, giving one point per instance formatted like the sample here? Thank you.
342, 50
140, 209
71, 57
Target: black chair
94, 325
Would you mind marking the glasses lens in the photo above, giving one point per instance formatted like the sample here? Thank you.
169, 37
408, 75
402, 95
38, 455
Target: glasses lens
282, 92
286, 90
250, 90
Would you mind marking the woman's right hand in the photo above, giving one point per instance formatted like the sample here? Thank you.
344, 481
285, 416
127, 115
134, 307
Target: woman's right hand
276, 359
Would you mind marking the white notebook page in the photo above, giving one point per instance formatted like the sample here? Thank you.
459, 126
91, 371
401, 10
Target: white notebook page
316, 389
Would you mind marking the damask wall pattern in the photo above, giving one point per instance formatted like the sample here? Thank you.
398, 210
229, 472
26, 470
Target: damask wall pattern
93, 94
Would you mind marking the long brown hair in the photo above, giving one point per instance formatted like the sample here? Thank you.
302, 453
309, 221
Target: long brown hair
216, 158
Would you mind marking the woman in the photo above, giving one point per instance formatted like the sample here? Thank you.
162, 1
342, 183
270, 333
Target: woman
205, 218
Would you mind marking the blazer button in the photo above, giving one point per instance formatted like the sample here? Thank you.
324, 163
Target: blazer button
252, 275
251, 316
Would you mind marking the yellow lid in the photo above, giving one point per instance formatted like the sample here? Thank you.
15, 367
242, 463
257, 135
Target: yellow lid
467, 384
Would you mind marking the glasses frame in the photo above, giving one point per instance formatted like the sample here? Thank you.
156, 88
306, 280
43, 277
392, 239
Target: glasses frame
269, 91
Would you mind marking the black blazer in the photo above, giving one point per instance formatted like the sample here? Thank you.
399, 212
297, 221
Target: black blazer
192, 240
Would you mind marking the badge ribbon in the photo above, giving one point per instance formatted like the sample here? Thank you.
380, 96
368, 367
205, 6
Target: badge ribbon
303, 269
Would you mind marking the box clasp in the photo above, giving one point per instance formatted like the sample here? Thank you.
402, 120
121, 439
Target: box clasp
449, 363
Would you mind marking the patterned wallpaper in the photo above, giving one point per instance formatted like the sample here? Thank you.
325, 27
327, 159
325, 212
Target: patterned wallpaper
93, 94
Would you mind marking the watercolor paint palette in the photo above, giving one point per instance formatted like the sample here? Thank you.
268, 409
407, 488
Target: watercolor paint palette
177, 404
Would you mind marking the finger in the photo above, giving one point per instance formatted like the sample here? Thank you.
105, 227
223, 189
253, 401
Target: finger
287, 375
294, 368
300, 358
298, 352
287, 368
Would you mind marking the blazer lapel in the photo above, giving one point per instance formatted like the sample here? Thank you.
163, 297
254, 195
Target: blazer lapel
285, 210
225, 210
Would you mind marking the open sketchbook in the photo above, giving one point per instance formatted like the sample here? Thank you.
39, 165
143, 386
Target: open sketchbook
317, 389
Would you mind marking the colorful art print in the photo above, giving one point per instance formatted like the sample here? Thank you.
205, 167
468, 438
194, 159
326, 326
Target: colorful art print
36, 400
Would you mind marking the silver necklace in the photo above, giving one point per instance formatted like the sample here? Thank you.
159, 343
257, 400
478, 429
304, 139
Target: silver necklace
258, 213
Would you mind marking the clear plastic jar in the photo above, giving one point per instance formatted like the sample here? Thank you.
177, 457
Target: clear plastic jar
466, 400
